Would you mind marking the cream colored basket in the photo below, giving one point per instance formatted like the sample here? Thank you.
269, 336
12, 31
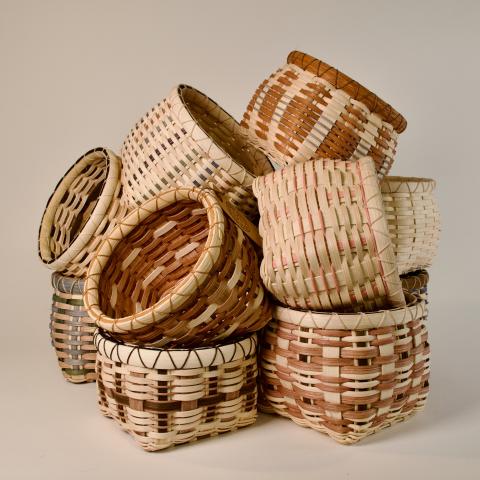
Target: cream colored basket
189, 140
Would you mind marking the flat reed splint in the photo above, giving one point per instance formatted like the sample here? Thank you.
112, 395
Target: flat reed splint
189, 140
177, 271
169, 397
308, 109
81, 211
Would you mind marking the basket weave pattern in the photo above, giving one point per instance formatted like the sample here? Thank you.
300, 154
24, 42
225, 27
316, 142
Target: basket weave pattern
346, 375
82, 210
325, 238
188, 140
168, 397
413, 220
296, 115
71, 330
177, 272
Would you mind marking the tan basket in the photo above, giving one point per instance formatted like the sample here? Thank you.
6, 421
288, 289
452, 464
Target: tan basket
168, 397
325, 237
307, 109
347, 375
72, 330
81, 212
188, 140
413, 220
177, 272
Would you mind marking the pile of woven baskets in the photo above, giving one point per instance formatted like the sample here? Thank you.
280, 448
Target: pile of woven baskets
214, 265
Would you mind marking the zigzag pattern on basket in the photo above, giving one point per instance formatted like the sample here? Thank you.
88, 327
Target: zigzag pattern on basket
189, 140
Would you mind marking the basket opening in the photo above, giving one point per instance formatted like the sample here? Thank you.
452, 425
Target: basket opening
69, 214
156, 255
222, 128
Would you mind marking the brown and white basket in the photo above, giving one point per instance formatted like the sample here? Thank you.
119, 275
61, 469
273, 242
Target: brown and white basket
326, 243
177, 271
347, 375
413, 220
81, 212
169, 397
189, 140
308, 109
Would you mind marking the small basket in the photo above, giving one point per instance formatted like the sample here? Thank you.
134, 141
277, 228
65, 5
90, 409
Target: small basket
189, 140
71, 330
81, 212
413, 220
416, 283
177, 272
169, 397
307, 109
325, 238
346, 375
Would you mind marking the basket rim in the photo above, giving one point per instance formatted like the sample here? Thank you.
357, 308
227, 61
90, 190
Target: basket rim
265, 166
185, 288
415, 309
177, 358
343, 82
426, 183
103, 202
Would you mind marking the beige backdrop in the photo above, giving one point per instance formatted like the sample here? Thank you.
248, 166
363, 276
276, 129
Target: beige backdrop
76, 75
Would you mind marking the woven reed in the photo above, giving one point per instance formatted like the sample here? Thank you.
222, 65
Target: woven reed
347, 375
81, 211
416, 283
168, 397
413, 220
189, 140
325, 238
177, 272
72, 330
307, 109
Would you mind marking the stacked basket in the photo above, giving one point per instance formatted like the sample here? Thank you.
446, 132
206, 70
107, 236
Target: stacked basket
161, 275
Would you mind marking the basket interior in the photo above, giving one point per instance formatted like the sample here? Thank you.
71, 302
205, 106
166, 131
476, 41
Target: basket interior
154, 257
74, 208
222, 129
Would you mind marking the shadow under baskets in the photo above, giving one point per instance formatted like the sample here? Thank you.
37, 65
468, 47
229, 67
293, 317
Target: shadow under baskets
308, 109
346, 375
177, 271
189, 140
71, 330
81, 212
169, 397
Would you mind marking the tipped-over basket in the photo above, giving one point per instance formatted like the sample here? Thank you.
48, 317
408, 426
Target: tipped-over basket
346, 375
81, 212
189, 140
308, 109
168, 397
325, 238
413, 220
177, 271
71, 330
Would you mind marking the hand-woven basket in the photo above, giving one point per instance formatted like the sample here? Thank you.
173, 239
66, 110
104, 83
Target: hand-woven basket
416, 283
71, 330
413, 220
81, 212
325, 238
188, 140
347, 375
307, 109
177, 272
168, 397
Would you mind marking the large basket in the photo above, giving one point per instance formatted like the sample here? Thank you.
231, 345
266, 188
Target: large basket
71, 330
325, 238
81, 212
347, 375
307, 109
177, 272
413, 220
189, 140
168, 397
